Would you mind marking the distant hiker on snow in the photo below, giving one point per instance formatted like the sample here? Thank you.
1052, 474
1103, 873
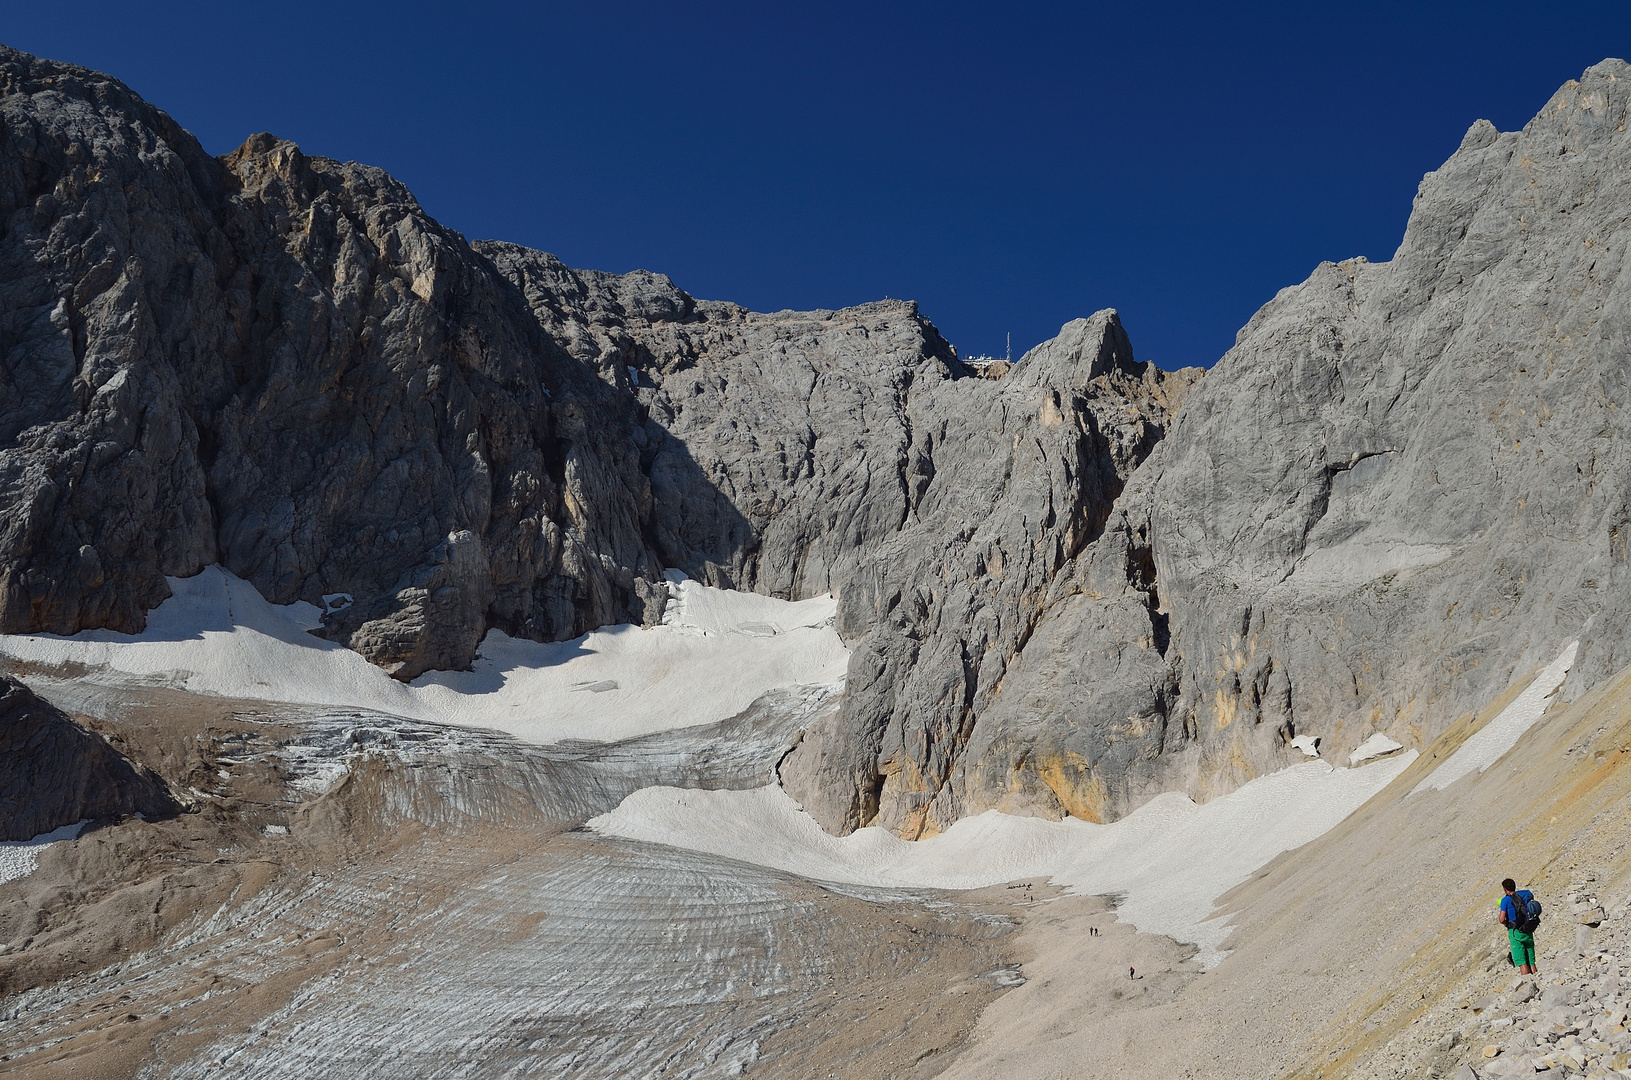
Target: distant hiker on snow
1520, 914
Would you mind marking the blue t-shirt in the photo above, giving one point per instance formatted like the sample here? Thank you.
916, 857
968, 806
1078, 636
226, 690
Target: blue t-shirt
1510, 909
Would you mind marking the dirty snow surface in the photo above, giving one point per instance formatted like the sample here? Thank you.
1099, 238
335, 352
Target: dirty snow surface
1491, 742
1378, 745
716, 652
18, 858
1170, 859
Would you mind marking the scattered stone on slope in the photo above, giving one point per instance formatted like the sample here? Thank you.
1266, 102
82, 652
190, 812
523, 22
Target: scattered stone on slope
53, 772
1576, 1019
1569, 1020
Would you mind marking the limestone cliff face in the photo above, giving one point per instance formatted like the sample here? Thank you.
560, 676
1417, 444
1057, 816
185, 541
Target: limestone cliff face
1406, 483
1066, 588
282, 364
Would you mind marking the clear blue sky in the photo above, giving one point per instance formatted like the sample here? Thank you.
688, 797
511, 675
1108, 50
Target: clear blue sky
1009, 166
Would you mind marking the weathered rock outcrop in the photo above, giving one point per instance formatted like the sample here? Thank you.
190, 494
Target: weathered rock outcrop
54, 772
281, 363
1407, 482
851, 452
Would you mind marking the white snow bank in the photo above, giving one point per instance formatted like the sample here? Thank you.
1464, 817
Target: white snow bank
715, 654
700, 609
1308, 744
1378, 745
1489, 743
20, 858
1170, 858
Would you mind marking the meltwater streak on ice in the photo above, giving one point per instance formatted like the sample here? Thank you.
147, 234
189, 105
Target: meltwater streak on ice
1170, 859
1489, 743
713, 657
502, 943
593, 963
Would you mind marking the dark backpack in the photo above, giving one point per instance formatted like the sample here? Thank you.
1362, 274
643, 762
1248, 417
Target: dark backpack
1528, 911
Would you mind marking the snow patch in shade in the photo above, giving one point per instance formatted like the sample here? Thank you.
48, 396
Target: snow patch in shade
20, 858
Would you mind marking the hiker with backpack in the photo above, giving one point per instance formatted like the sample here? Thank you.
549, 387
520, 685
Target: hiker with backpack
1520, 914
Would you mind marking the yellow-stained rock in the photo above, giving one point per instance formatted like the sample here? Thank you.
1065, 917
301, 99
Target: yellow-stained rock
1079, 790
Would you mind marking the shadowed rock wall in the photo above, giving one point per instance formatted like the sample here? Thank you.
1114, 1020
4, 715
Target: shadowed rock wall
281, 363
54, 772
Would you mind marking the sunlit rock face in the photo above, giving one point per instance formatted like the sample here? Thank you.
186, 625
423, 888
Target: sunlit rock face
1403, 487
1068, 584
1014, 478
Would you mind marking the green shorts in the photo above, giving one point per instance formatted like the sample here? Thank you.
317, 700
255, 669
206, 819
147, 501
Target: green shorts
1523, 947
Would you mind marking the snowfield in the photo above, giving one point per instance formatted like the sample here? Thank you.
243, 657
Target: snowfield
1490, 743
1171, 858
715, 653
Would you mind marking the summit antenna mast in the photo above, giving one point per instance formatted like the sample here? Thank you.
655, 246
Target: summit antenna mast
1010, 354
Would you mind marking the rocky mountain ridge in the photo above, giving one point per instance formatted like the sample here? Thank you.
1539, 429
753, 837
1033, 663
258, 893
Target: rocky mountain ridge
1066, 589
1403, 487
280, 363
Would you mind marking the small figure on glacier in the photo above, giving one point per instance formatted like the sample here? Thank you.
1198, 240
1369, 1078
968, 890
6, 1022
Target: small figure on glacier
1520, 914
